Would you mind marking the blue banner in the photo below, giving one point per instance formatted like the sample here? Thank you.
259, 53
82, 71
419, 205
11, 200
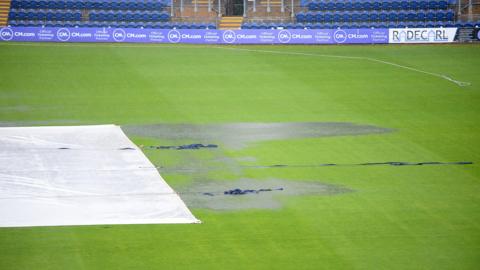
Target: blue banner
197, 36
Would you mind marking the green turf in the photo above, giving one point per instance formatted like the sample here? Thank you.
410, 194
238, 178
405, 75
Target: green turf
424, 217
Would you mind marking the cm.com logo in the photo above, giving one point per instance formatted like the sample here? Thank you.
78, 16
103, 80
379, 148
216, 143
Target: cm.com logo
6, 34
174, 36
63, 34
340, 36
284, 36
229, 36
119, 35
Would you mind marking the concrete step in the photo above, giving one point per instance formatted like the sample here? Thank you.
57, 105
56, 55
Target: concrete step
230, 23
4, 10
202, 2
272, 3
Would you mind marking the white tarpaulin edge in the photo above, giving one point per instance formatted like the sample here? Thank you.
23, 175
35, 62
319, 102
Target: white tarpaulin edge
81, 175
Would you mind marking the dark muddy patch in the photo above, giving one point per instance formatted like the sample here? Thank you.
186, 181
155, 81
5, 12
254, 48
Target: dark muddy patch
237, 135
193, 146
197, 169
211, 194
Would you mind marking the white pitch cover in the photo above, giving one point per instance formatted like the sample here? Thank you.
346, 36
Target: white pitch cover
81, 175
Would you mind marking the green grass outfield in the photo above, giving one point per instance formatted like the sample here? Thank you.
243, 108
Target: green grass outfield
411, 217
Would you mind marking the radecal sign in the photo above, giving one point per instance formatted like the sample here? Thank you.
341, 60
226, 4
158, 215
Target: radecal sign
422, 35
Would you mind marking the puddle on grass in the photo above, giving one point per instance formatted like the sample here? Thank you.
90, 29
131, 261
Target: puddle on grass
237, 135
210, 194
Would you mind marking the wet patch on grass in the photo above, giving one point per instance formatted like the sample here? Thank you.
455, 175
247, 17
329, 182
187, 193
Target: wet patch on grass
217, 195
238, 135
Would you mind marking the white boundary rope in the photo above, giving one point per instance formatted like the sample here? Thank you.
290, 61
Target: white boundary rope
442, 76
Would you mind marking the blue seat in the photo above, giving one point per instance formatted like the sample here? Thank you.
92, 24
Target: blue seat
392, 16
155, 17
423, 5
354, 16
396, 5
59, 16
328, 26
430, 15
140, 5
337, 17
30, 15
137, 16
442, 4
367, 6
68, 16
309, 17
413, 5
411, 16
110, 17
401, 16
386, 5
328, 17
365, 16
440, 16
340, 6
164, 17
352, 26
158, 5
449, 24
70, 5
300, 17
43, 4
122, 6
450, 15
348, 6
433, 5
15, 4
330, 6
12, 15
298, 26
51, 4
420, 16
105, 5
377, 5
356, 5
149, 6
312, 6
60, 5
383, 16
